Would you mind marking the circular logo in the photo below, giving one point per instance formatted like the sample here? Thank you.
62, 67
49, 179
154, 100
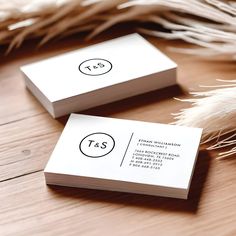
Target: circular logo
94, 67
97, 145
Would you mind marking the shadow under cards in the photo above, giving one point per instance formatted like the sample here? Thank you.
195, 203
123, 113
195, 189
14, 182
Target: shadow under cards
134, 102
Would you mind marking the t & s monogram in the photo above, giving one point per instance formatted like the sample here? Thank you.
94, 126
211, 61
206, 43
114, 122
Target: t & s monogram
97, 145
95, 67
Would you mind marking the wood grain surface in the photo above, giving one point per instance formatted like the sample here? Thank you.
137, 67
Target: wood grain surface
28, 135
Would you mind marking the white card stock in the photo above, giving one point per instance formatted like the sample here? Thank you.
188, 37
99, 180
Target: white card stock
124, 155
99, 74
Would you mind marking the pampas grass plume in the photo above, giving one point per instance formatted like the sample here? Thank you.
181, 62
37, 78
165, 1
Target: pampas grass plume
215, 112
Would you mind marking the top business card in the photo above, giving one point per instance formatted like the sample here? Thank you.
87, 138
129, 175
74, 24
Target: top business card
124, 155
99, 74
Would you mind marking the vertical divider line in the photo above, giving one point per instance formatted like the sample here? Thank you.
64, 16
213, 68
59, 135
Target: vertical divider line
126, 149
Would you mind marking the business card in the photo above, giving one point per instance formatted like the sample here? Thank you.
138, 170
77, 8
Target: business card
124, 155
99, 74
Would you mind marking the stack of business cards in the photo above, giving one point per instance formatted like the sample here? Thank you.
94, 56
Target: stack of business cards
99, 74
124, 155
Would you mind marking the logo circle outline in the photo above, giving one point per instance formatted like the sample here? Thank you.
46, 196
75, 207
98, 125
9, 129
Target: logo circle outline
111, 66
114, 143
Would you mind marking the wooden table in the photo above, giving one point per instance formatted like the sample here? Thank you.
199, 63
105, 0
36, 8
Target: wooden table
28, 135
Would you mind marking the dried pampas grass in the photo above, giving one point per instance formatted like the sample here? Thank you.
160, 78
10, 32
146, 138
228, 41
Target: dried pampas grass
210, 24
215, 112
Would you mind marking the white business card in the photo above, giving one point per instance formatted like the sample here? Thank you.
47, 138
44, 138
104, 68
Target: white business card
124, 155
99, 74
